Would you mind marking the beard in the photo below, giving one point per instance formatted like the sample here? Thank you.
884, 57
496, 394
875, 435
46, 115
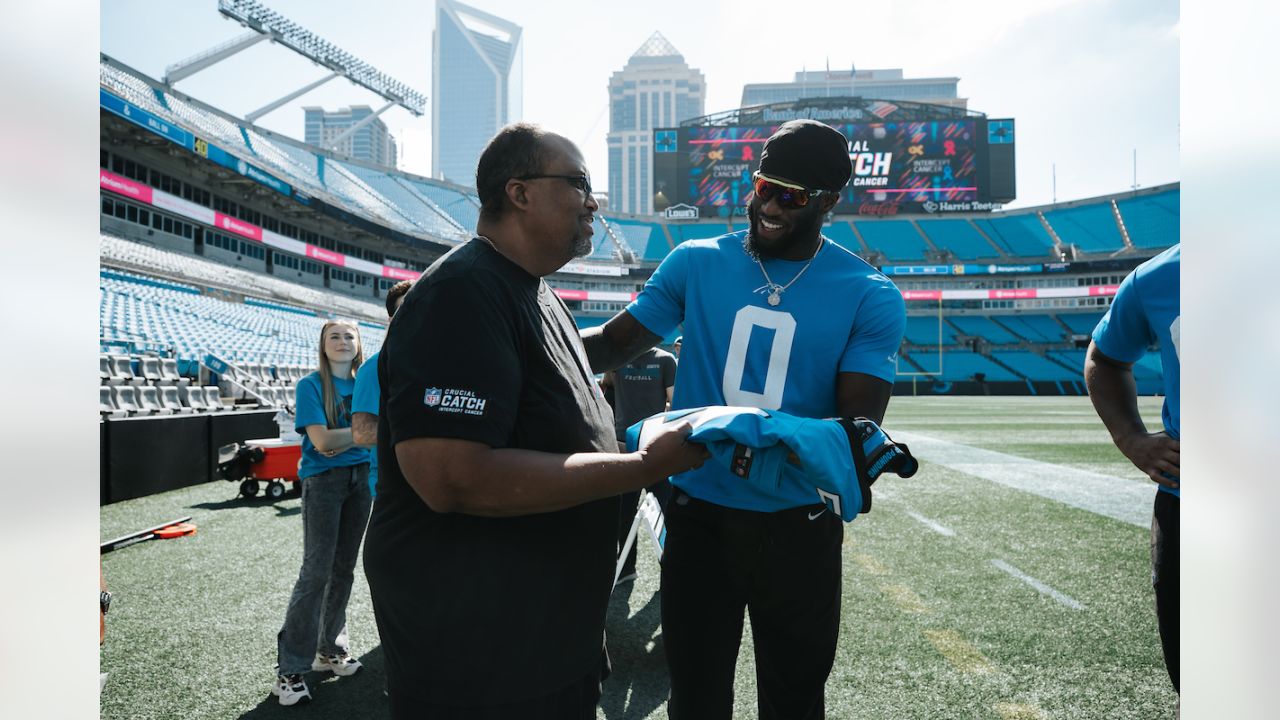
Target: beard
581, 245
804, 227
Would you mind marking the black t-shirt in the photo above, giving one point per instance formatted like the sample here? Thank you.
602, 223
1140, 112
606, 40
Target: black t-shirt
640, 388
474, 610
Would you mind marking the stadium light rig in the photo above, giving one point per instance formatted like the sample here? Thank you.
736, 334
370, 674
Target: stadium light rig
260, 18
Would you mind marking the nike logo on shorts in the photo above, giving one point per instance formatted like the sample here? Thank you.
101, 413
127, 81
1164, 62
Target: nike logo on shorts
814, 516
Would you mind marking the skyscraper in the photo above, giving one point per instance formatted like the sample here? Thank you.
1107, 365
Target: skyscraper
881, 84
477, 77
372, 142
656, 88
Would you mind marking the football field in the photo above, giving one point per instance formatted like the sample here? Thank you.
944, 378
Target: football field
1009, 579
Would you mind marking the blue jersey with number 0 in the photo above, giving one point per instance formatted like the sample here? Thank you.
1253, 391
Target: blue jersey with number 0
841, 315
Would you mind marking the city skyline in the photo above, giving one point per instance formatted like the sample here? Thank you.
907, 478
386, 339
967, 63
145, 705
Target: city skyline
1088, 82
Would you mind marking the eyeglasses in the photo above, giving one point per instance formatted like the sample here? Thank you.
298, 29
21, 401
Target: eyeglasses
785, 194
578, 181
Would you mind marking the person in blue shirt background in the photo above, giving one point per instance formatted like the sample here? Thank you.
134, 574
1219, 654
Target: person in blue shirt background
1147, 311
779, 318
364, 403
335, 510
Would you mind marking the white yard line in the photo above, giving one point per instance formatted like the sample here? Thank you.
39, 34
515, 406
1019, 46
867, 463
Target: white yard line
1039, 586
931, 524
1118, 498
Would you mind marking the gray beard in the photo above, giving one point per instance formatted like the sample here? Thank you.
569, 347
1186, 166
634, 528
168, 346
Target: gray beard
582, 246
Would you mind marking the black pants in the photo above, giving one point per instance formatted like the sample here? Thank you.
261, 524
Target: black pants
1165, 576
575, 702
784, 569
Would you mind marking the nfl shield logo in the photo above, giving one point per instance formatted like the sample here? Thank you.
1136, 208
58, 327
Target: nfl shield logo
432, 397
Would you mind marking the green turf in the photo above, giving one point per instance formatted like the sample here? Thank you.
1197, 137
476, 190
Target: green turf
192, 630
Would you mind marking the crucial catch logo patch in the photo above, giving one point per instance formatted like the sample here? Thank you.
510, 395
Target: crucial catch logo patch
452, 400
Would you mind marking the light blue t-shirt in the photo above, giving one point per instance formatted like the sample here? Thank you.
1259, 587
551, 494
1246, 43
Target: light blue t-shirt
842, 315
1146, 311
310, 411
365, 400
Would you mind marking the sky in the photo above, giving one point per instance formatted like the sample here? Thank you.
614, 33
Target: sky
1089, 82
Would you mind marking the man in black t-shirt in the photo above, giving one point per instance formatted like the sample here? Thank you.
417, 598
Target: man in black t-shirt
490, 554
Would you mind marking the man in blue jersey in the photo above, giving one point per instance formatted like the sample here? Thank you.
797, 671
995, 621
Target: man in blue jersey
1146, 311
780, 318
364, 402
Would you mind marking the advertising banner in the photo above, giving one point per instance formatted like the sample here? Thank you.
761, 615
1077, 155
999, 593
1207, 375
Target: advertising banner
143, 118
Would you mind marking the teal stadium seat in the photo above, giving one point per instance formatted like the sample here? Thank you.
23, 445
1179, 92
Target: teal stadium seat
961, 237
1033, 366
1091, 228
983, 327
841, 233
898, 240
1021, 236
1153, 221
683, 232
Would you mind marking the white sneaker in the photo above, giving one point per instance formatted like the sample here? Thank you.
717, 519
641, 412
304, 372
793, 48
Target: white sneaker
341, 664
291, 689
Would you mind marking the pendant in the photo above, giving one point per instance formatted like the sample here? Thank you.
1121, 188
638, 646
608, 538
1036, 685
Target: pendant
775, 298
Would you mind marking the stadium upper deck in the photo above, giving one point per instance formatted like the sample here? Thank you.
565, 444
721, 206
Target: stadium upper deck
439, 214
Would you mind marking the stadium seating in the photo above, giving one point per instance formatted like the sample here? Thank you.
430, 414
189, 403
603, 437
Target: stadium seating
961, 365
983, 327
898, 240
1092, 228
1070, 358
960, 237
1033, 328
151, 260
647, 235
413, 205
923, 330
1019, 235
107, 404
842, 234
464, 208
1033, 366
1152, 221
681, 232
1081, 323
194, 325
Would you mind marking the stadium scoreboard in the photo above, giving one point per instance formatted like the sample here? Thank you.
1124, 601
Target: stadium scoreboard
901, 165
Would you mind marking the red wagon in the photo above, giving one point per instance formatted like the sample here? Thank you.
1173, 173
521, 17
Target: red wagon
273, 461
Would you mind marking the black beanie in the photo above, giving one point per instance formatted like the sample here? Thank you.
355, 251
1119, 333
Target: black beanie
809, 153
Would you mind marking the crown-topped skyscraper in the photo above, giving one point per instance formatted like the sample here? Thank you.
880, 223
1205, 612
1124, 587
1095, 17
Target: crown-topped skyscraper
656, 88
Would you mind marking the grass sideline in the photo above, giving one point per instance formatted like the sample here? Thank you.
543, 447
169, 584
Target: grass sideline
935, 625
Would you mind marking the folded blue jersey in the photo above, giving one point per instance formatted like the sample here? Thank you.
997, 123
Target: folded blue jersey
842, 457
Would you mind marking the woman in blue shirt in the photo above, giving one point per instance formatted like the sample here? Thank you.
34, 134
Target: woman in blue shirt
335, 510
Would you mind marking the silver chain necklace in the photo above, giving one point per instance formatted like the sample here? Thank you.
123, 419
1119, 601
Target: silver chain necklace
774, 289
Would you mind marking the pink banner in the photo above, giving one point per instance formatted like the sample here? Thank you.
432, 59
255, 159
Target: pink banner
1103, 290
1019, 294
124, 186
399, 274
323, 255
239, 227
572, 294
921, 294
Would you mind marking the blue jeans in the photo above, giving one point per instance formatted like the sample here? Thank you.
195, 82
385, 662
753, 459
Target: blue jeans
335, 511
